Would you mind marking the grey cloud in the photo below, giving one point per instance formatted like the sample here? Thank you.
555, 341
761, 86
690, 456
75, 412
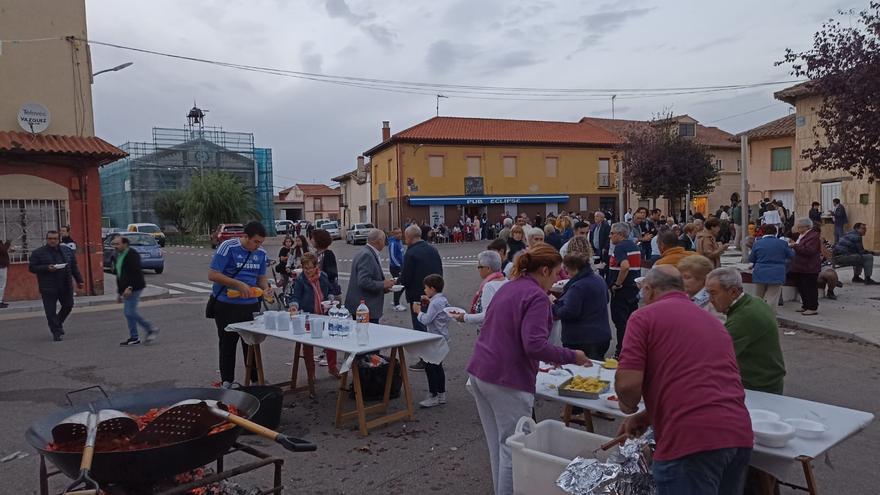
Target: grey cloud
311, 60
379, 33
724, 40
444, 56
512, 60
604, 22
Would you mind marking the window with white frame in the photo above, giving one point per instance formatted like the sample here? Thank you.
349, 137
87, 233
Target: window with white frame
687, 130
24, 222
509, 166
719, 165
317, 204
552, 164
830, 190
473, 166
435, 166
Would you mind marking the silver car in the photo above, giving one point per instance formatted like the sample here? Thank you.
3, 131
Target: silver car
332, 228
358, 233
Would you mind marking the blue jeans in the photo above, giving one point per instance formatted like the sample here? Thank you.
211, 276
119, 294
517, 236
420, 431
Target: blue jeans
714, 472
129, 309
838, 232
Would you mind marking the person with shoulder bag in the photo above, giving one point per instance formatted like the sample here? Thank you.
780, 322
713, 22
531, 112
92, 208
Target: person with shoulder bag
238, 266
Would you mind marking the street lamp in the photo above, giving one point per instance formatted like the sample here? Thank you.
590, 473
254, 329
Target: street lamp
114, 69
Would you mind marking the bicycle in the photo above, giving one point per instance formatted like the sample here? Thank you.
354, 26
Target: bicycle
281, 300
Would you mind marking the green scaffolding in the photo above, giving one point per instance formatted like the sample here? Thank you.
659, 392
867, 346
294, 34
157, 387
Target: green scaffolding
129, 186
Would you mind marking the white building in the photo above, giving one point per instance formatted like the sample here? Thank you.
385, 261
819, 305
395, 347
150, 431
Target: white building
355, 188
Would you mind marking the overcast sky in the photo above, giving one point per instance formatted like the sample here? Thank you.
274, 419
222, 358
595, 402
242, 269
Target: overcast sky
316, 130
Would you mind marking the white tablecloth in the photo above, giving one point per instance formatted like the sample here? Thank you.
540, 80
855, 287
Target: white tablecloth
430, 347
842, 422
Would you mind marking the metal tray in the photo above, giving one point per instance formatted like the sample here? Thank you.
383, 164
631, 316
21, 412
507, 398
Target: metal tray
581, 395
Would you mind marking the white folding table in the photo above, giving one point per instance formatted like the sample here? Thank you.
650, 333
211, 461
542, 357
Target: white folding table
427, 345
776, 462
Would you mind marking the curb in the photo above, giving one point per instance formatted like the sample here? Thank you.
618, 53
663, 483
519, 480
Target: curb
79, 303
798, 325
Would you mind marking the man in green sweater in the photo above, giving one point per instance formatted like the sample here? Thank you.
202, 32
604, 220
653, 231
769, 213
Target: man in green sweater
753, 328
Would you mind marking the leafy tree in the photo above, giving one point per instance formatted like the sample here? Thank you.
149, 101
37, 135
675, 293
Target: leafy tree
658, 162
218, 197
169, 206
844, 68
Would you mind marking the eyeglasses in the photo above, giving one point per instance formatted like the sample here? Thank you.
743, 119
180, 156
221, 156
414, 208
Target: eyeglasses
480, 267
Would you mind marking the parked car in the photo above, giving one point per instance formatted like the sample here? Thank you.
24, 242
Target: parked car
332, 228
319, 223
148, 228
224, 232
152, 256
358, 232
283, 227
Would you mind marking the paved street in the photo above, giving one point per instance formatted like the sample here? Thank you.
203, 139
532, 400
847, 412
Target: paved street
441, 451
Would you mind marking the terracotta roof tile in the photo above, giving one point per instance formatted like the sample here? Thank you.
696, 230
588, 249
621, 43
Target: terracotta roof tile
465, 130
708, 136
791, 94
317, 190
88, 146
778, 128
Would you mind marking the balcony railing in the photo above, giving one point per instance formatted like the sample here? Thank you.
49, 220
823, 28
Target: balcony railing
607, 180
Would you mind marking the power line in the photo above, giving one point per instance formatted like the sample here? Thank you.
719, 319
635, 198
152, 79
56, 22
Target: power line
746, 113
457, 90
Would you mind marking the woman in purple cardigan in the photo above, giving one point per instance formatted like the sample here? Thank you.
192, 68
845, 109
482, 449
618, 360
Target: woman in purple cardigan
807, 263
513, 339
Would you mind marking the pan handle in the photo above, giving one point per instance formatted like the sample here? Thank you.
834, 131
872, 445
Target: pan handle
289, 443
100, 388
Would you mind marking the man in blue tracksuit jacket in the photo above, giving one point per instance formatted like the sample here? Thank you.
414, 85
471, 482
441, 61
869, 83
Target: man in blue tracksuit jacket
395, 262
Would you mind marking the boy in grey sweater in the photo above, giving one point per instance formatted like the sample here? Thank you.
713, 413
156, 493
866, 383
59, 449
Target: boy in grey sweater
436, 321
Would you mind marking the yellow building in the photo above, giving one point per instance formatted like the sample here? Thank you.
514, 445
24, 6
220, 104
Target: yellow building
771, 158
446, 167
725, 155
860, 197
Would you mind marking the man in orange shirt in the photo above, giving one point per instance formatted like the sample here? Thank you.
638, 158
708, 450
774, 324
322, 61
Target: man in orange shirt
670, 250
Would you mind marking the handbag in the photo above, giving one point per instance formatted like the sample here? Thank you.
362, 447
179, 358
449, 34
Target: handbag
211, 307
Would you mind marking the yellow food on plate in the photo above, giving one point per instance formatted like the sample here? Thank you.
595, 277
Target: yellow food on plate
610, 364
586, 384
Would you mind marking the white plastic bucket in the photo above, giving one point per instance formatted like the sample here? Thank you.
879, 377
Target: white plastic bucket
542, 451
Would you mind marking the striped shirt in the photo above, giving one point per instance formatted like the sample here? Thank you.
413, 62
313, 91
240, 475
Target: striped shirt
625, 250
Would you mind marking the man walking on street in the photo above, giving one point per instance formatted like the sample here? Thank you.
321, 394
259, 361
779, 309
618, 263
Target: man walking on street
420, 260
130, 284
4, 270
367, 280
55, 265
840, 220
395, 263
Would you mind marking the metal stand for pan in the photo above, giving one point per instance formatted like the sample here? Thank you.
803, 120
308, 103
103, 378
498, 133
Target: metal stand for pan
263, 459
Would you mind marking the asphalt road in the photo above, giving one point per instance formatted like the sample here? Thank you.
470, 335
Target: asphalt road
441, 451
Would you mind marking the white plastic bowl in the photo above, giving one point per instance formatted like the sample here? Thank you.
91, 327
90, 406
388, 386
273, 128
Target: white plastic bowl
396, 288
774, 434
614, 404
762, 415
806, 428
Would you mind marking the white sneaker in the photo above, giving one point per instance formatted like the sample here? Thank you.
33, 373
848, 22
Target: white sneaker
322, 362
441, 397
431, 401
399, 308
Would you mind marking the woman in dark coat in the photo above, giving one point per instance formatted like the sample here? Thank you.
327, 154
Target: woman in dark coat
806, 264
583, 309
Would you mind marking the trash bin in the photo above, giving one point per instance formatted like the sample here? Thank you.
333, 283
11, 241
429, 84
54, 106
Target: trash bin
541, 452
271, 400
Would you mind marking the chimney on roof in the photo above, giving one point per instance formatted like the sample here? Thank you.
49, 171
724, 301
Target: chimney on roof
386, 130
360, 162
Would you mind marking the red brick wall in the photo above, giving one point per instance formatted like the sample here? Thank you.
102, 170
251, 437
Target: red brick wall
84, 214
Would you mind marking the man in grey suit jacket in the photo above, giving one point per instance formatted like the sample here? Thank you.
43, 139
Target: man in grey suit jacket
367, 280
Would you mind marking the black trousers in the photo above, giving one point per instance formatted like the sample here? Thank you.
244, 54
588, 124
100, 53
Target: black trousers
595, 352
436, 378
395, 272
416, 324
51, 297
806, 287
225, 315
624, 302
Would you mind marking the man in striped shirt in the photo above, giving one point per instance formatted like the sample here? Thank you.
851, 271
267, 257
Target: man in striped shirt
624, 266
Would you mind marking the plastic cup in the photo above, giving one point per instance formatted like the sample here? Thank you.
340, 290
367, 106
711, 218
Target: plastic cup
271, 320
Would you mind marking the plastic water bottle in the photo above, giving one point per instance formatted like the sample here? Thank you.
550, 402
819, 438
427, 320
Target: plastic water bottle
333, 322
344, 322
363, 324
